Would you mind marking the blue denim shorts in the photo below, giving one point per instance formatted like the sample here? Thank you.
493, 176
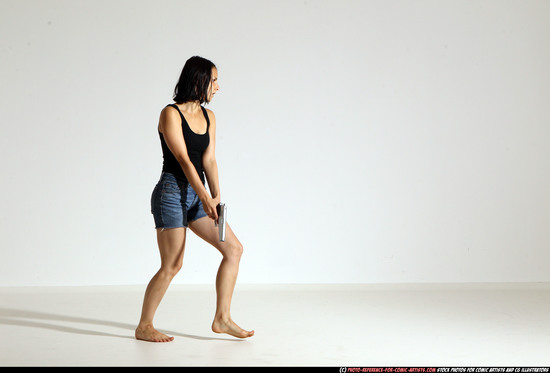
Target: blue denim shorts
174, 203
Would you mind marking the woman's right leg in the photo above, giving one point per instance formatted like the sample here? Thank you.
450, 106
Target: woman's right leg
171, 246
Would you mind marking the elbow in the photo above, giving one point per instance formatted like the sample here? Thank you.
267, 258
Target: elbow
185, 163
208, 162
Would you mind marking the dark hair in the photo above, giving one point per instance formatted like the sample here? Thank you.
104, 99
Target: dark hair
194, 81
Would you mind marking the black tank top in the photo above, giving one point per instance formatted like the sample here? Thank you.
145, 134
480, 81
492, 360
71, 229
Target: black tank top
196, 145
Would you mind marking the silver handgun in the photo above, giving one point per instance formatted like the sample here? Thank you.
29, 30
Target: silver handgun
222, 218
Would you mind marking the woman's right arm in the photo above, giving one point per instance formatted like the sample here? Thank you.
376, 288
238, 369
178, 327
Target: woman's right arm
170, 127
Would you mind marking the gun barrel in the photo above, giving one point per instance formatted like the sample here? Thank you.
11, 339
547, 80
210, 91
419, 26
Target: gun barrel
222, 218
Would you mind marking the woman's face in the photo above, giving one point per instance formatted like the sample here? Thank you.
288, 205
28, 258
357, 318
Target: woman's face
214, 86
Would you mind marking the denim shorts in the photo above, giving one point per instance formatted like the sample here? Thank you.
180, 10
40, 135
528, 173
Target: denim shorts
174, 203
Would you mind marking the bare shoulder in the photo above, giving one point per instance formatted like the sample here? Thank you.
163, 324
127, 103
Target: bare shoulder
169, 111
210, 114
211, 117
168, 115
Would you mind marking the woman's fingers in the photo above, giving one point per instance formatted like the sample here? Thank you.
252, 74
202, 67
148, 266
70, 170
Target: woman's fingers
210, 208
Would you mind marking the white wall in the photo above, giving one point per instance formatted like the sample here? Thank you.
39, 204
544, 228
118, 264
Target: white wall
358, 141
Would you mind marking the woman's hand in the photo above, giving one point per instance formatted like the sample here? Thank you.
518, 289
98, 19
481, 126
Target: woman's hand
210, 207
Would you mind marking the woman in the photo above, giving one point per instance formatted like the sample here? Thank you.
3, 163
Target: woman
180, 200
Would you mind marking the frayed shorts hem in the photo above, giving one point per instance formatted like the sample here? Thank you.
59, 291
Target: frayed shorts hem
181, 226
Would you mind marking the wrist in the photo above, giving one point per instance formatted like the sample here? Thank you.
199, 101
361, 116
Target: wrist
204, 197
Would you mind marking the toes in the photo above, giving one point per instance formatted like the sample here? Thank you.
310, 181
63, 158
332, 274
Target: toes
152, 336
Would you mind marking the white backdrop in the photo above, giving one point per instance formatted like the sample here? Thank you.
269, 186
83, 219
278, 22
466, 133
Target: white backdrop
358, 141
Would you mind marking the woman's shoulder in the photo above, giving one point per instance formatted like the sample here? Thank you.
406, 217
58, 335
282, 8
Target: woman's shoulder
210, 113
169, 113
169, 108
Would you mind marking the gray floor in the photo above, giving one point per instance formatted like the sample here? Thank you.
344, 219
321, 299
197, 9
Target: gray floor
296, 325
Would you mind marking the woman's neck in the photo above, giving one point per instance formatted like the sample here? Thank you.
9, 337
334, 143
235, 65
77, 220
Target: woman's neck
191, 107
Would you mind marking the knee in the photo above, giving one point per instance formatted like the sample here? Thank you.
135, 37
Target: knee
170, 271
234, 251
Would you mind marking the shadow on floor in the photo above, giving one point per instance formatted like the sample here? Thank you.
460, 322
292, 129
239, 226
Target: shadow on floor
35, 319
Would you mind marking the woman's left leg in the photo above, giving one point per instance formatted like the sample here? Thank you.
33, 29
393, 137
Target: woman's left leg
171, 244
231, 250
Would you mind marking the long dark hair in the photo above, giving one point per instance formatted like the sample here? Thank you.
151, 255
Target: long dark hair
194, 81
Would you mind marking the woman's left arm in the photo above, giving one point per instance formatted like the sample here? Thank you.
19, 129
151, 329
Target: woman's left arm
209, 160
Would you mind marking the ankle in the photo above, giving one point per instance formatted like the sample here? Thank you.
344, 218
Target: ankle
144, 326
222, 317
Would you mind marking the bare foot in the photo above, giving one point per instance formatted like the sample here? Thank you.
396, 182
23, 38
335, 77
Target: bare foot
229, 327
150, 334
